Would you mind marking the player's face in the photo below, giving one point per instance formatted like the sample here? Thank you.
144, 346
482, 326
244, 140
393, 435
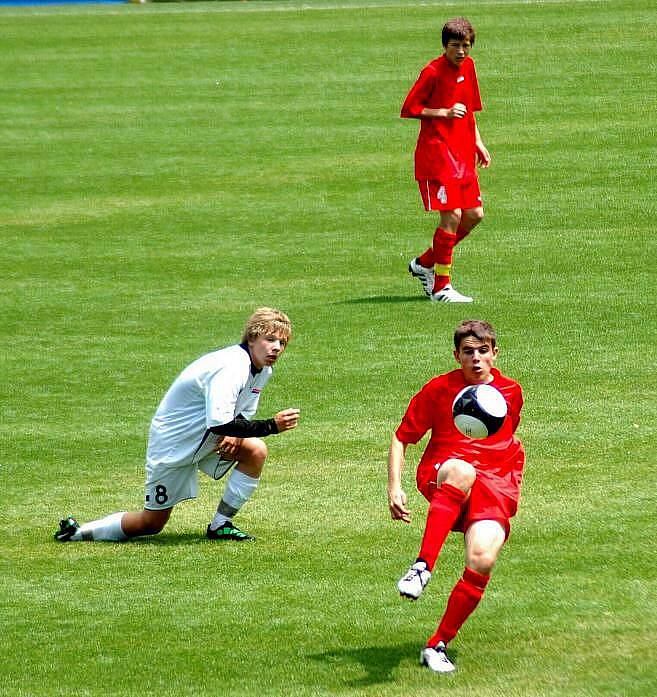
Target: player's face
457, 51
266, 349
476, 359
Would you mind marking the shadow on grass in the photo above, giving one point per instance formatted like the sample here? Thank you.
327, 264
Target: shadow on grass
173, 539
382, 299
379, 662
176, 539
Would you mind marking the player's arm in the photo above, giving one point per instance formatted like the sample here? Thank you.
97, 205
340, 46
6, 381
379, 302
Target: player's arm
516, 403
240, 427
483, 156
233, 432
414, 106
414, 109
456, 111
396, 496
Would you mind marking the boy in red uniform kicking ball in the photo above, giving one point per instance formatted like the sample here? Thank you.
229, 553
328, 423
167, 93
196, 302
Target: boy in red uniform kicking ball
445, 99
472, 486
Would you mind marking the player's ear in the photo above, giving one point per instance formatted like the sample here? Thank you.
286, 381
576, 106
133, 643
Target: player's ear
456, 356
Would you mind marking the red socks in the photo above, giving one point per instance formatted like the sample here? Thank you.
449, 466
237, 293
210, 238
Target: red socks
443, 244
426, 259
461, 234
463, 600
444, 509
440, 255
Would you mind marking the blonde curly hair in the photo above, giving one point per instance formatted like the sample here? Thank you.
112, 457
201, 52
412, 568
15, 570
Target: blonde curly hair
267, 320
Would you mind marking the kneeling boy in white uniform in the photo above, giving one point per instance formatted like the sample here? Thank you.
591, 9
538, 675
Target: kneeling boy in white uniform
204, 422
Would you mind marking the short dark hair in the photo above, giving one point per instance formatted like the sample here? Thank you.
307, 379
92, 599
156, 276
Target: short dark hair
474, 327
458, 28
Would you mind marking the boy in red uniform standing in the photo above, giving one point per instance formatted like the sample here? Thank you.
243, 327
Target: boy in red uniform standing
445, 99
472, 486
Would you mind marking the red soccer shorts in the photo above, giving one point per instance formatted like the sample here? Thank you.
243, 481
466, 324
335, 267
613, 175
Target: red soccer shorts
449, 197
484, 502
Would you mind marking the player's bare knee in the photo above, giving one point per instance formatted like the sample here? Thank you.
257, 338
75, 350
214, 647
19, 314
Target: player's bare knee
151, 528
481, 560
252, 457
258, 451
474, 216
152, 522
450, 220
458, 473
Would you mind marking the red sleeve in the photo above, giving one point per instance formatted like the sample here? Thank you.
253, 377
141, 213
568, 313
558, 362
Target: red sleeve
516, 405
476, 97
416, 99
417, 419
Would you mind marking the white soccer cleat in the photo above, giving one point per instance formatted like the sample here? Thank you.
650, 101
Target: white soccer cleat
449, 295
436, 659
412, 584
425, 275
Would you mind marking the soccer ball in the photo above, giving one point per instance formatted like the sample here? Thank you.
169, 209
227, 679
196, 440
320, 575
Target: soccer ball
479, 411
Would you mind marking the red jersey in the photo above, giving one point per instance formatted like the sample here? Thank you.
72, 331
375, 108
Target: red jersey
498, 459
445, 149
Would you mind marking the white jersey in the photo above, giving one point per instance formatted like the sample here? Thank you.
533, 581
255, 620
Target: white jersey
212, 391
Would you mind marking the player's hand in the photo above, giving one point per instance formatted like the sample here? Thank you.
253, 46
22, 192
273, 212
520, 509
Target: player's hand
483, 156
458, 111
397, 504
287, 419
228, 447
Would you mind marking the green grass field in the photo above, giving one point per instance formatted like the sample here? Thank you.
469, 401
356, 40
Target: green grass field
166, 169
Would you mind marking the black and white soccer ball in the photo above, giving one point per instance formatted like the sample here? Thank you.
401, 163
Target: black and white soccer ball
479, 411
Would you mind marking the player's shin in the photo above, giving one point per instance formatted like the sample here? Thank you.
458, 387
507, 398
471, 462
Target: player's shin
464, 598
239, 489
444, 509
461, 234
426, 259
106, 529
443, 245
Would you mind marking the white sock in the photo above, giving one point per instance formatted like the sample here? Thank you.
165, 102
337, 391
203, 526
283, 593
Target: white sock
239, 489
107, 529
